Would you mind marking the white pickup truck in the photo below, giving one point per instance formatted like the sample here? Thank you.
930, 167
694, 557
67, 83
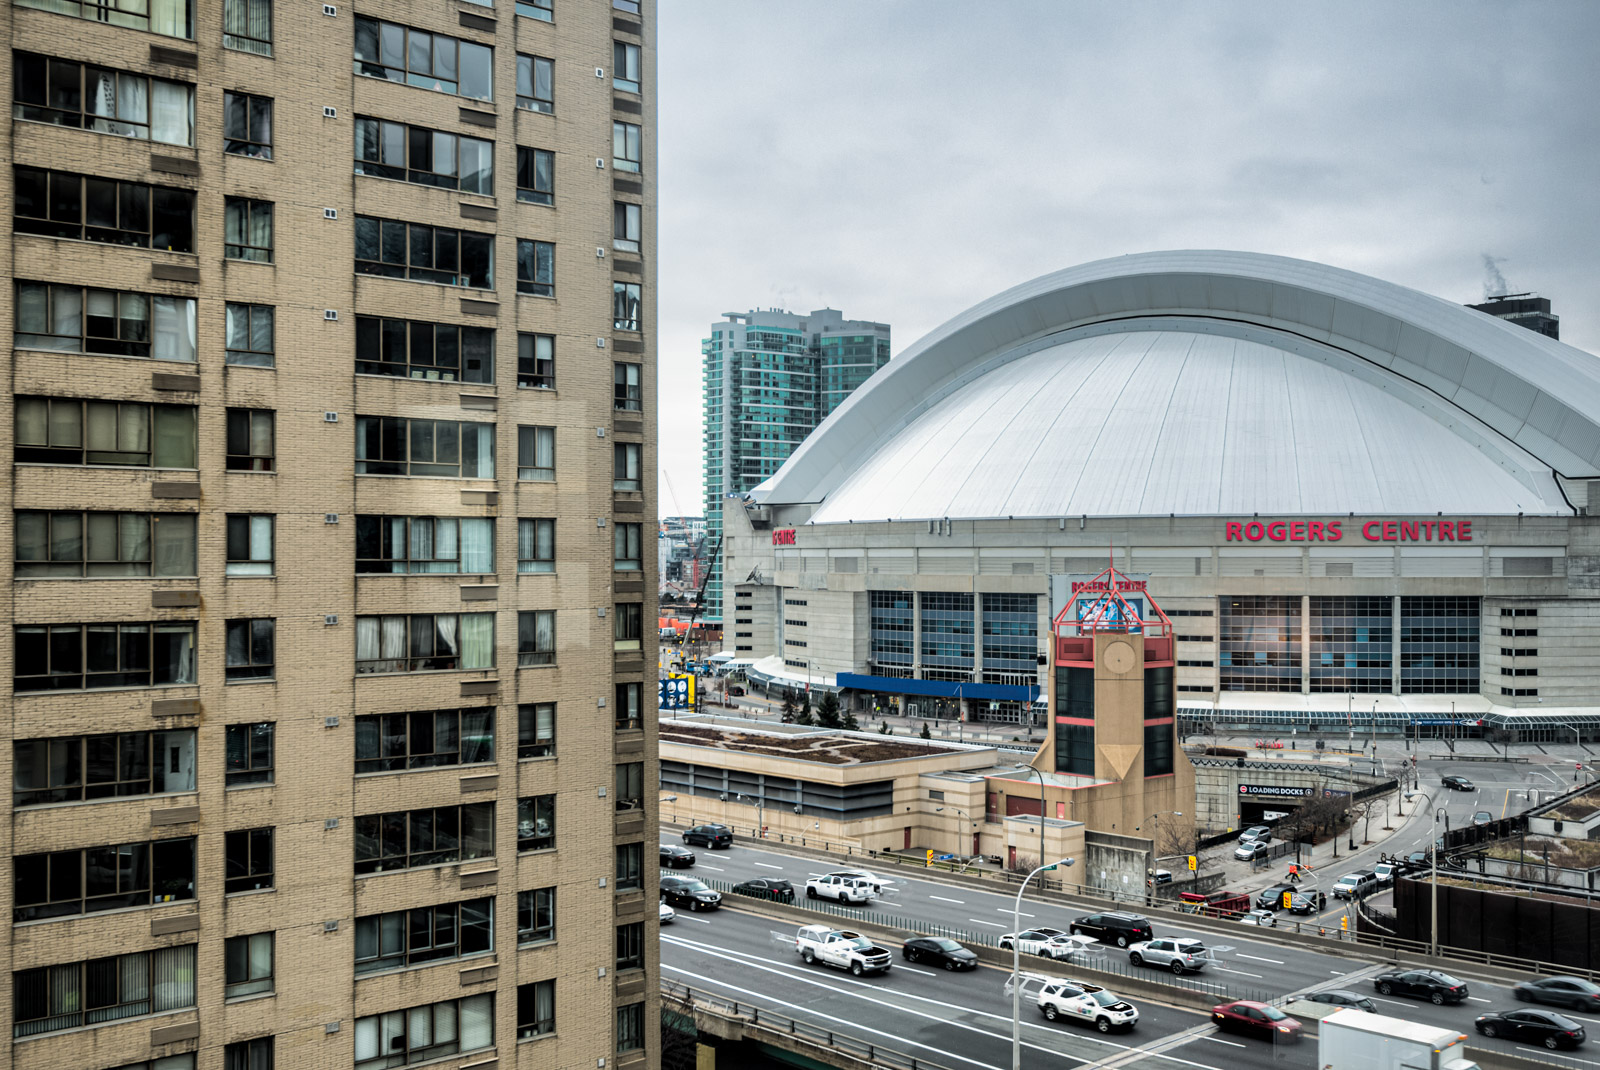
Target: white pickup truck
841, 948
843, 889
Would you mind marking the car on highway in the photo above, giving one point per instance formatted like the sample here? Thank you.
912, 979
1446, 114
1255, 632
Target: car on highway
667, 913
1080, 1001
1342, 997
1417, 860
675, 857
1573, 993
1537, 1027
1436, 986
879, 885
774, 888
1161, 876
1385, 872
1263, 833
689, 892
1029, 941
938, 951
1355, 885
840, 889
1482, 817
1065, 946
1250, 850
1272, 898
1256, 1019
841, 948
712, 836
1457, 783
1179, 954
1259, 917
1113, 927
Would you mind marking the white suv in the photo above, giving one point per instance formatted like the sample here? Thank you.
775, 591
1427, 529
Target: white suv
1083, 1002
843, 889
1177, 955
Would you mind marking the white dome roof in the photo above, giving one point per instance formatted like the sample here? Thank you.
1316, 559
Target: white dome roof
1204, 383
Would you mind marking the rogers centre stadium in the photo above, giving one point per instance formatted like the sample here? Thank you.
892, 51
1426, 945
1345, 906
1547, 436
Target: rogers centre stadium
1364, 508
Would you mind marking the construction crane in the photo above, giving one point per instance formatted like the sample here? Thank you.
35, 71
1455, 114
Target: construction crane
700, 594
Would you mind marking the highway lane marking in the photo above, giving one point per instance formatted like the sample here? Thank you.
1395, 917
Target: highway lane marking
1396, 1002
1257, 958
718, 869
980, 921
1546, 1052
1219, 1040
909, 969
1008, 910
1241, 973
1479, 999
942, 899
690, 917
766, 865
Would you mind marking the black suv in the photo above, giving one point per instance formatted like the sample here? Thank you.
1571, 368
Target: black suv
689, 892
1114, 927
712, 836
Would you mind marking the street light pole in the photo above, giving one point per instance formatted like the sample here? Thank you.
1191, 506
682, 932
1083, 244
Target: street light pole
1016, 961
963, 813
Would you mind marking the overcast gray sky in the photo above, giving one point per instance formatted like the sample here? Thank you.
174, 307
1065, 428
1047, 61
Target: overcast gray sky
903, 160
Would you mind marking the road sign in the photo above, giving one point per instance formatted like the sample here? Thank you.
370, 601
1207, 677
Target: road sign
1194, 863
929, 860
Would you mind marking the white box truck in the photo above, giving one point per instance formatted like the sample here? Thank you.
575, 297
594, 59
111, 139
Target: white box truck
1352, 1039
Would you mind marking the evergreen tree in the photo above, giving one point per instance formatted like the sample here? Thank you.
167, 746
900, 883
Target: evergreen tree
828, 711
805, 705
925, 734
804, 716
850, 722
788, 706
884, 729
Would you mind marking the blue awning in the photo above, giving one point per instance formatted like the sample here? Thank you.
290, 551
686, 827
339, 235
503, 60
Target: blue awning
894, 685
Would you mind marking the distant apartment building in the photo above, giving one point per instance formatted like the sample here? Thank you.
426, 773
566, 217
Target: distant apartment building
1525, 310
770, 378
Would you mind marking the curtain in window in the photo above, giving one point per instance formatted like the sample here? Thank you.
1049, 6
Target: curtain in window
173, 546
393, 648
261, 957
485, 466
170, 17
544, 1004
367, 1039
422, 547
247, 25
544, 630
171, 112
477, 736
477, 544
447, 643
477, 1022
259, 232
172, 329
366, 642
446, 545
527, 542
175, 434
177, 641
477, 640
261, 540
477, 166
133, 542
426, 1026
172, 977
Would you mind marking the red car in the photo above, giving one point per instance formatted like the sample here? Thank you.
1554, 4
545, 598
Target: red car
1257, 1019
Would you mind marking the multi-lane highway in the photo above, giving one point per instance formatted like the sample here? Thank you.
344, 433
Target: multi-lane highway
963, 1020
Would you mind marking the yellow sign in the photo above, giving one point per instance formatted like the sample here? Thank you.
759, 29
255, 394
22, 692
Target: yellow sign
929, 860
1194, 863
1286, 900
688, 679
1344, 923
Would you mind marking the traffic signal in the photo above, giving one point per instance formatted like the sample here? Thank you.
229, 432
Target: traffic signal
1286, 900
1194, 863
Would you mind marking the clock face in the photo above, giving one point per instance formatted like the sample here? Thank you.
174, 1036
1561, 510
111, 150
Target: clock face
1118, 657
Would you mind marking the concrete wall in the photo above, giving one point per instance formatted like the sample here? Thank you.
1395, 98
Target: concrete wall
1116, 863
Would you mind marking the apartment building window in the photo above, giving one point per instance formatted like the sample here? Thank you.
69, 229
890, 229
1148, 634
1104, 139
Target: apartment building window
628, 708
407, 839
251, 334
60, 545
627, 626
247, 856
630, 1027
56, 204
416, 349
536, 175
630, 946
442, 255
425, 60
85, 657
536, 916
109, 766
249, 649
536, 823
113, 323
625, 466
536, 637
253, 1054
247, 125
249, 545
395, 545
630, 786
625, 306
64, 93
630, 6
250, 749
424, 739
625, 226
424, 157
423, 1034
59, 884
625, 549
627, 394
536, 1009
536, 544
630, 866
102, 990
536, 730
536, 78
625, 66
250, 443
536, 268
247, 965
171, 18
625, 151
424, 642
247, 229
424, 934
536, 453
396, 446
247, 26
543, 10
536, 361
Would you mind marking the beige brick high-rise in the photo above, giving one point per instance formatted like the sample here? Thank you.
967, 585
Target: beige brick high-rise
146, 738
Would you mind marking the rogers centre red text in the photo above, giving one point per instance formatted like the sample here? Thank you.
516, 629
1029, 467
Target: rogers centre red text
1332, 531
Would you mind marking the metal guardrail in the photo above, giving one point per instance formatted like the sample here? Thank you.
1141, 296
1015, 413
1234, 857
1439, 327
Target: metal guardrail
845, 1044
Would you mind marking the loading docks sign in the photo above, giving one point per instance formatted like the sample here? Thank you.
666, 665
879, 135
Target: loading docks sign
1274, 791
